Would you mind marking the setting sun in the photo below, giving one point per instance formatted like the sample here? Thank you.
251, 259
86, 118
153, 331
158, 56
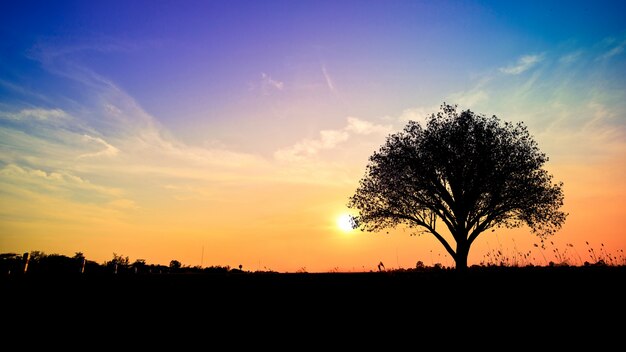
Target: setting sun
344, 222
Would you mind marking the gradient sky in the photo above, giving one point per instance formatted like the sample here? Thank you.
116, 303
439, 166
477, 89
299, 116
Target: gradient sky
233, 132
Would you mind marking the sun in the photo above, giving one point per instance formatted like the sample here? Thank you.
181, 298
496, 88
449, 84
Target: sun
344, 222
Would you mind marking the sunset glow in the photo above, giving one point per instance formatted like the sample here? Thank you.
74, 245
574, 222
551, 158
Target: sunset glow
234, 132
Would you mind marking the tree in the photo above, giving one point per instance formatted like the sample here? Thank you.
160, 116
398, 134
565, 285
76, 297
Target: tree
465, 170
139, 265
175, 264
118, 263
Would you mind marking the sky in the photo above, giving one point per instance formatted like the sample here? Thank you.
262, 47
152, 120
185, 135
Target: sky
233, 132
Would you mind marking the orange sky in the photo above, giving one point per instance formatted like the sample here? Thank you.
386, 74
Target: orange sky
299, 232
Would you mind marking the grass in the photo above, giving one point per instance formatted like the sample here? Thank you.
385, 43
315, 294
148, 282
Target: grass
546, 253
506, 287
542, 254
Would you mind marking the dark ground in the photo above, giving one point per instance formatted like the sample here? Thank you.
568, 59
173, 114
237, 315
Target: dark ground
542, 300
545, 285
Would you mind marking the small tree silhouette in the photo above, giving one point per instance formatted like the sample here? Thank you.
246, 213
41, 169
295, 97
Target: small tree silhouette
175, 264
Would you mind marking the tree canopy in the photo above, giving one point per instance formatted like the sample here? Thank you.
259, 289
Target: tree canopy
465, 170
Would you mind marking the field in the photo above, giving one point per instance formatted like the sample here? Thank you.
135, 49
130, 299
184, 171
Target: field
522, 286
587, 302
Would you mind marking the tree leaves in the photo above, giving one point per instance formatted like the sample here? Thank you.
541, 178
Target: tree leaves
470, 171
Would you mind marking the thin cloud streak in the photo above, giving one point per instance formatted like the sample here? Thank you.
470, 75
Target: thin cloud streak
329, 80
108, 151
53, 181
37, 114
571, 57
523, 64
614, 51
471, 98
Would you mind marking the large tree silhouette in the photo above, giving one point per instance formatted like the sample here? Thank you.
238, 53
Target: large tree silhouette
465, 170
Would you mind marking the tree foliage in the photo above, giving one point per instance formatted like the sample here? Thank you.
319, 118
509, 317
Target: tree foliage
175, 264
465, 170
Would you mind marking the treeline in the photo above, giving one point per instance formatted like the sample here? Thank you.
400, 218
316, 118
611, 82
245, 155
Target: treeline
37, 262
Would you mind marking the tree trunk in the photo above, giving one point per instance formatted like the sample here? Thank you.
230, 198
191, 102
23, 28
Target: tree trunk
462, 252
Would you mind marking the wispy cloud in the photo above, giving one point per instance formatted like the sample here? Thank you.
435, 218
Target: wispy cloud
470, 98
358, 126
569, 109
571, 57
419, 114
329, 80
268, 83
105, 148
523, 64
329, 139
60, 182
46, 199
36, 114
594, 139
613, 51
75, 140
24, 91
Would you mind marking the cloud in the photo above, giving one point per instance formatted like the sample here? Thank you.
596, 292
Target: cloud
329, 79
60, 182
108, 150
111, 124
419, 114
103, 126
523, 64
309, 147
112, 109
117, 122
36, 114
329, 139
48, 198
358, 126
268, 83
600, 114
24, 91
570, 57
470, 98
616, 50
594, 142
571, 110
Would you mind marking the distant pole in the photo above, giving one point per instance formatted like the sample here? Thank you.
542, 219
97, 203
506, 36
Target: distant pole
202, 257
26, 258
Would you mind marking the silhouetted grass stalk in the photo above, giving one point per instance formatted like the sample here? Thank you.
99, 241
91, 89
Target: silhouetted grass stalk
556, 257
